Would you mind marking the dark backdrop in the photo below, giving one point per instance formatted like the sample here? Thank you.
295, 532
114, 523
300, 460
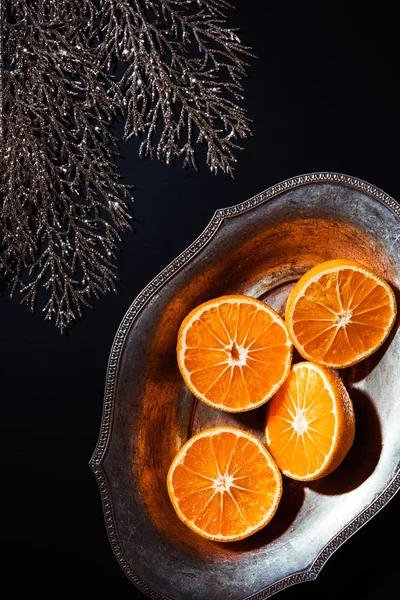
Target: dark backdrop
323, 96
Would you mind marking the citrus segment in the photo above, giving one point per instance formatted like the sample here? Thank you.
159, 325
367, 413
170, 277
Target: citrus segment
234, 352
310, 423
224, 484
339, 312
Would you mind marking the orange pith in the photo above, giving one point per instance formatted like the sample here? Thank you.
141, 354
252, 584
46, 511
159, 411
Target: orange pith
234, 352
339, 313
310, 423
224, 484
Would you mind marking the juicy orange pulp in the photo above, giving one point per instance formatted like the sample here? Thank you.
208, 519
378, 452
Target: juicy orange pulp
339, 313
224, 484
310, 423
234, 352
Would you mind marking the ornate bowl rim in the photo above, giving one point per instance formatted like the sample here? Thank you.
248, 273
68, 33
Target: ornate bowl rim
136, 307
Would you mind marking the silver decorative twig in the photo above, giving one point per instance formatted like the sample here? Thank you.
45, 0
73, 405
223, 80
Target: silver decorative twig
62, 204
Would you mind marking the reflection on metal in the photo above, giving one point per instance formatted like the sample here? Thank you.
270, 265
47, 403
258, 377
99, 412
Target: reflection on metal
149, 413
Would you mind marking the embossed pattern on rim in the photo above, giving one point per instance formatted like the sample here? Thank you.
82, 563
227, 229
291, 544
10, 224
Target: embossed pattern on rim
137, 305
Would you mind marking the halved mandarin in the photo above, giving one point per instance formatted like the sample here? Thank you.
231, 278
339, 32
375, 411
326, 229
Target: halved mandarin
234, 352
339, 312
310, 423
224, 484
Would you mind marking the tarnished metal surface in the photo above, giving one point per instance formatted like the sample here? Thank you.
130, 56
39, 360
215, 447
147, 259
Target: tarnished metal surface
258, 248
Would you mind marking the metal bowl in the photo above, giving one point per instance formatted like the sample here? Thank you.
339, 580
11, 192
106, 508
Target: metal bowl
259, 248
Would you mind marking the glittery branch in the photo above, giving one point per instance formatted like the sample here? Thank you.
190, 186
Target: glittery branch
182, 83
62, 204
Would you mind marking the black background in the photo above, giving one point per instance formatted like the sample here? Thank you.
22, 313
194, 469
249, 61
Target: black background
324, 96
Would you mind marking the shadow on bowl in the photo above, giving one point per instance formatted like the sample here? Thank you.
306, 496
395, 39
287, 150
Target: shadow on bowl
363, 457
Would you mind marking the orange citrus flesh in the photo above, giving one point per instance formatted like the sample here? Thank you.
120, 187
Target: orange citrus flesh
234, 352
339, 312
224, 484
310, 423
